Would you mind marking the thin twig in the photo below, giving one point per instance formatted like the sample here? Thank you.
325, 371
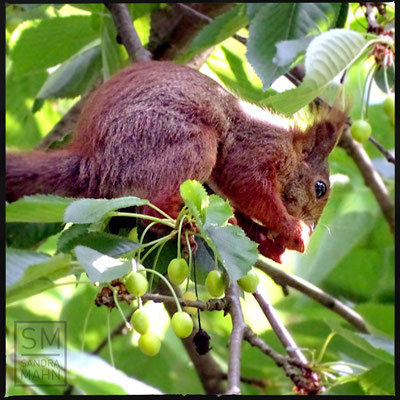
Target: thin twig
385, 152
210, 305
127, 32
277, 325
282, 278
235, 339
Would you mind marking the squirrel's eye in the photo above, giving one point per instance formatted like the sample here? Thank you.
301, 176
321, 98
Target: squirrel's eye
320, 189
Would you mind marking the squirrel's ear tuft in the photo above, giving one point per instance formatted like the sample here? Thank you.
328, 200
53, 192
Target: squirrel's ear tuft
322, 136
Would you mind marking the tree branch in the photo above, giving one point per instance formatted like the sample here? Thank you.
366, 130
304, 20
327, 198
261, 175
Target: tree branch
384, 151
306, 380
235, 339
273, 318
127, 32
282, 278
371, 178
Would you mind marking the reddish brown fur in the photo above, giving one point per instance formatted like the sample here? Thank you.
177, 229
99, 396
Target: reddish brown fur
155, 124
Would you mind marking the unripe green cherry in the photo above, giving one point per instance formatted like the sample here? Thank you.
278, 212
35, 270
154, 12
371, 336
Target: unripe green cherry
182, 324
149, 344
388, 106
215, 283
361, 130
178, 270
136, 283
190, 296
140, 322
249, 282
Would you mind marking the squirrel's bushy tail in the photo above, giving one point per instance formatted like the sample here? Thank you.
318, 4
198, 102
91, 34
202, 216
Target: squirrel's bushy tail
55, 172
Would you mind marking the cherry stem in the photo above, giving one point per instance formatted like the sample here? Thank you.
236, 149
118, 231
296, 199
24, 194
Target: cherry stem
195, 288
142, 238
168, 222
85, 324
109, 339
161, 246
190, 259
178, 306
115, 291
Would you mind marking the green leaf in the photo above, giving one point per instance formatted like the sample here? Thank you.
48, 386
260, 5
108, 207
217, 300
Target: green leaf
288, 50
69, 235
194, 196
221, 28
25, 235
377, 346
100, 267
106, 243
380, 316
275, 22
218, 212
46, 44
378, 381
327, 55
75, 75
86, 211
38, 208
204, 259
238, 253
109, 50
22, 129
323, 255
232, 68
385, 83
29, 273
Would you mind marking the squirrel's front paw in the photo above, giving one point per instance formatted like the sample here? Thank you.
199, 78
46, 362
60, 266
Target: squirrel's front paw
296, 237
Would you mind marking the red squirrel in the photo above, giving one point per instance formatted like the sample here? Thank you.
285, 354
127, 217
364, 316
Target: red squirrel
155, 124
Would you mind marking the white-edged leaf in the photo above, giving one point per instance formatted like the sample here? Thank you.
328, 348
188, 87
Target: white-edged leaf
326, 56
330, 53
100, 267
87, 211
272, 23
